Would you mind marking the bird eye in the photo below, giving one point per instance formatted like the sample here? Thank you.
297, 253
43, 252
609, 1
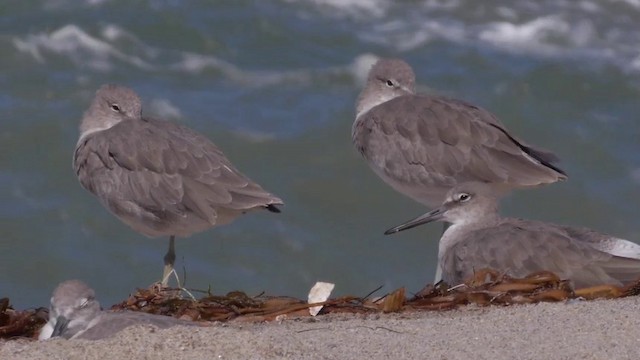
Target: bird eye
390, 83
115, 107
463, 197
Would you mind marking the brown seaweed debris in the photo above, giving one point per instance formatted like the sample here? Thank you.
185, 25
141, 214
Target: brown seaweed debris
486, 287
490, 287
20, 324
234, 305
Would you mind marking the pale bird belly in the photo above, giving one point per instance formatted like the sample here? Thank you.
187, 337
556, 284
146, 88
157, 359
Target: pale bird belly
429, 195
185, 225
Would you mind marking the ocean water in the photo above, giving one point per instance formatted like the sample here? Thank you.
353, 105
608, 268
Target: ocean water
274, 83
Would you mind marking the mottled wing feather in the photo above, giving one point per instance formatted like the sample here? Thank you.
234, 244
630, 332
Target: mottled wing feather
522, 247
545, 156
209, 166
409, 137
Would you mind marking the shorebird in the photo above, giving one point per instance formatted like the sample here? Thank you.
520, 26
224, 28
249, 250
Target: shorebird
479, 238
76, 314
423, 145
158, 177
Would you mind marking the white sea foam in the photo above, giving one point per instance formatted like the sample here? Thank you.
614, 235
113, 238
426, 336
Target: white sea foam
546, 36
164, 109
545, 29
583, 29
113, 33
102, 53
405, 35
197, 63
360, 67
51, 5
78, 46
536, 36
357, 8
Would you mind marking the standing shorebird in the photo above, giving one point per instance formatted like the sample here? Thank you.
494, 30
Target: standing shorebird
479, 238
160, 178
76, 314
423, 145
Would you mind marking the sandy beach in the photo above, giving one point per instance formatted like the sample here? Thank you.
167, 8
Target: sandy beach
602, 329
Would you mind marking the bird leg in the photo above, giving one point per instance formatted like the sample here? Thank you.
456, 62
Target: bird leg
169, 260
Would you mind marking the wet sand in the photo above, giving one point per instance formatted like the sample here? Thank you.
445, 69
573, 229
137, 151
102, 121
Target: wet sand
602, 329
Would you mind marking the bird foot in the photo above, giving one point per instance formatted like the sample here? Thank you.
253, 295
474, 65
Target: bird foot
164, 283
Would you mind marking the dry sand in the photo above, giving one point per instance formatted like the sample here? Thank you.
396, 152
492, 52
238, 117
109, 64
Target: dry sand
603, 329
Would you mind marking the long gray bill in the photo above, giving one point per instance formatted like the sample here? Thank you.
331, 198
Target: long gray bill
61, 326
431, 216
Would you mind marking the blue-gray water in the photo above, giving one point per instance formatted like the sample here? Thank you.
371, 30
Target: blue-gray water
273, 83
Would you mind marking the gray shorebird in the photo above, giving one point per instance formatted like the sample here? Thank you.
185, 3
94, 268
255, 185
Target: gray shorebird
158, 177
76, 314
479, 238
423, 145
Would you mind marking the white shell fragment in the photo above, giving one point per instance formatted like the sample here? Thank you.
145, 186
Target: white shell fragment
319, 292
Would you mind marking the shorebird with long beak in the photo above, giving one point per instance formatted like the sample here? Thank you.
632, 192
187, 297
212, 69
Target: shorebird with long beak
480, 238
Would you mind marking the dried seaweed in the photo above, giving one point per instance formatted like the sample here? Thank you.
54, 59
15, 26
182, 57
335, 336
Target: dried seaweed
20, 324
486, 287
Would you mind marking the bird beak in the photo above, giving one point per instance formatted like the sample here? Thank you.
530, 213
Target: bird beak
431, 216
61, 326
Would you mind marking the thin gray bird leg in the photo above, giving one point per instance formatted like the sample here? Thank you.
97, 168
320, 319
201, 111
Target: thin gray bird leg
169, 260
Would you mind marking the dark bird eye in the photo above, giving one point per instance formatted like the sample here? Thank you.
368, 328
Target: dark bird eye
115, 107
464, 197
389, 83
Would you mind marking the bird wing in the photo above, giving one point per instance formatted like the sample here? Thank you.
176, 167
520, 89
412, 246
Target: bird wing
163, 169
606, 243
426, 139
519, 247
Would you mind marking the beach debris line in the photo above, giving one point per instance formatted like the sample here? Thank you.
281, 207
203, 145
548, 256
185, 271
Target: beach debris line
485, 288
